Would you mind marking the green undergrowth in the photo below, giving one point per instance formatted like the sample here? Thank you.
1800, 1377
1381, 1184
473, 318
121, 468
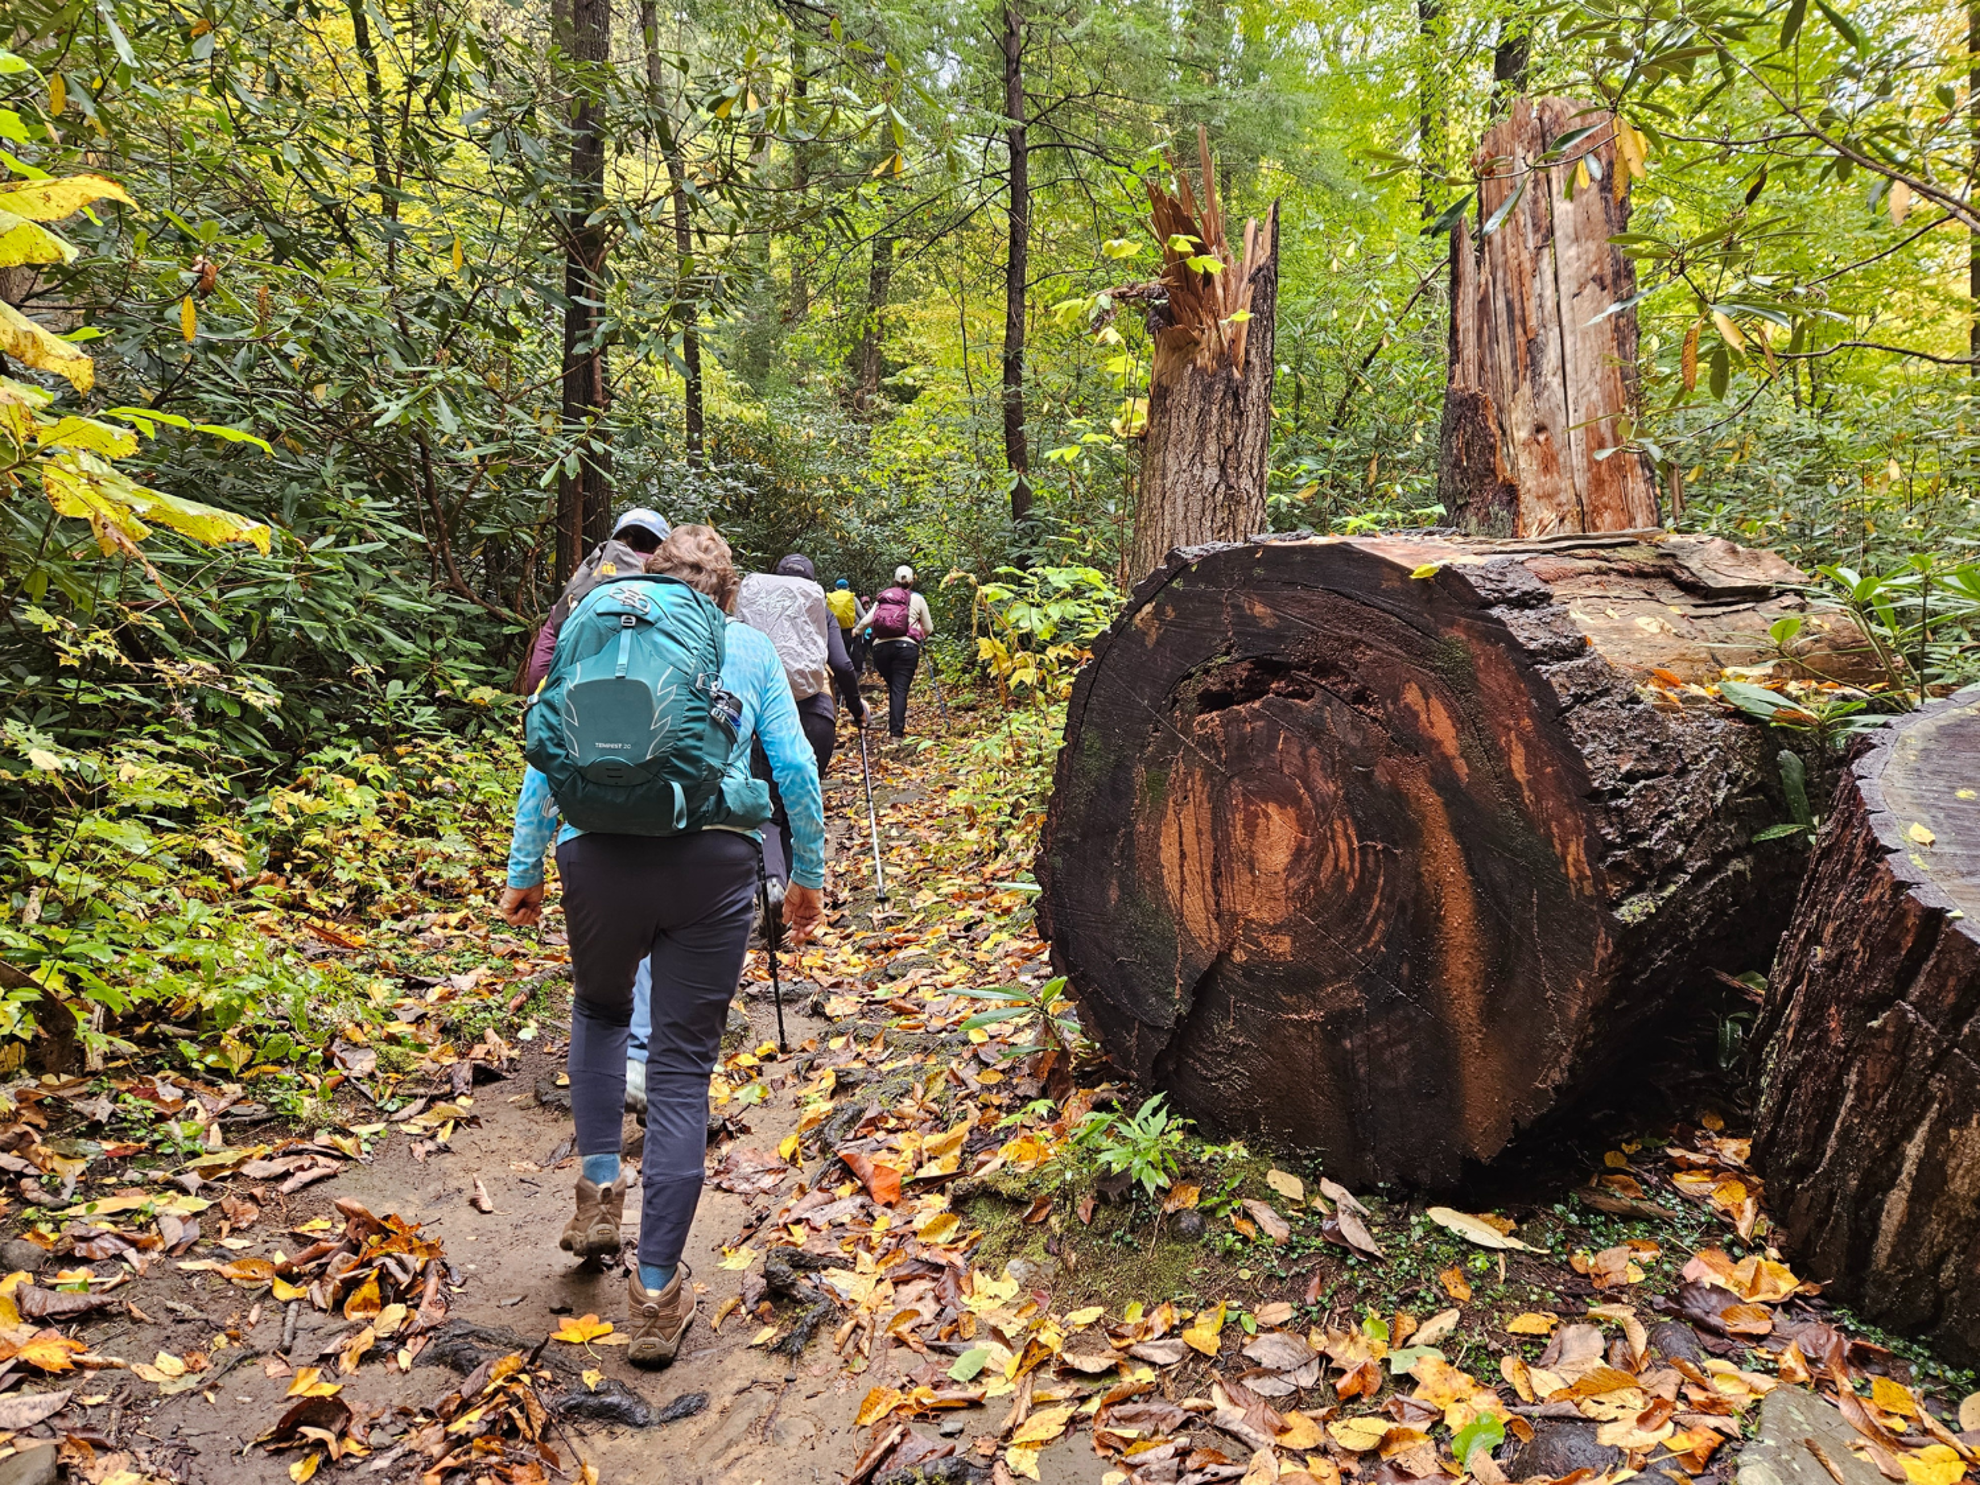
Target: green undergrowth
154, 897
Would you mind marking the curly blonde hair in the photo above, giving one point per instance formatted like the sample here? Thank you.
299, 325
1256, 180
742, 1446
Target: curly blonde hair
699, 557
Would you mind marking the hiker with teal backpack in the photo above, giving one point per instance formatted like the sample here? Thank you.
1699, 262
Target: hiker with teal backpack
639, 743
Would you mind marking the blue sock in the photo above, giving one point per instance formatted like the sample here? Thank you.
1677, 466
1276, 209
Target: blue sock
601, 1170
653, 1278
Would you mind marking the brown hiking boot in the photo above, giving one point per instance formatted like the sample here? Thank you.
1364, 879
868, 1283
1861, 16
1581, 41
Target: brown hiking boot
594, 1228
658, 1320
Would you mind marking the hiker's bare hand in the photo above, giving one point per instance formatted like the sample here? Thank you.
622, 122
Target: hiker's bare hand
803, 908
521, 906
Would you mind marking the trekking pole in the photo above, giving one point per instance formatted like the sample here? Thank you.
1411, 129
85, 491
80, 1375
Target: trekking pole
935, 678
772, 931
872, 820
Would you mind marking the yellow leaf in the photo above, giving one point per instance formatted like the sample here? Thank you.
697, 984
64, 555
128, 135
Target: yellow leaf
1080, 1319
1202, 1335
578, 1331
764, 1336
188, 319
1300, 1432
58, 93
460, 258
788, 1149
303, 1468
1934, 1464
737, 1259
879, 1403
22, 241
284, 1291
1359, 1435
1921, 834
308, 1382
1892, 1397
77, 483
1043, 1426
1181, 1196
33, 346
169, 1364
1427, 570
1455, 1284
591, 1376
1899, 201
1532, 1323
1288, 1185
1728, 331
51, 200
1023, 1460
50, 1352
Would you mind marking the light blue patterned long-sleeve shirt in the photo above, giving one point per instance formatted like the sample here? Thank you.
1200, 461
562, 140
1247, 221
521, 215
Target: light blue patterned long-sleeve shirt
751, 670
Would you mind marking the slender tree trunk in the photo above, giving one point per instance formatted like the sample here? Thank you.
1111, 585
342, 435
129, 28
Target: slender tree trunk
799, 302
870, 356
374, 127
1973, 238
684, 306
1429, 118
1017, 265
584, 498
1510, 61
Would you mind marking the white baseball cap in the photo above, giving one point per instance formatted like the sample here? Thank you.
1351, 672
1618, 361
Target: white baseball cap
645, 520
904, 574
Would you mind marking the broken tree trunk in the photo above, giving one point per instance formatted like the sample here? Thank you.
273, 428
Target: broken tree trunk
1869, 1127
1210, 379
1387, 846
1542, 386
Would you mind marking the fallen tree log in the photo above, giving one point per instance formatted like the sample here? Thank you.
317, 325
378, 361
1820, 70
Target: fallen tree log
1386, 846
1869, 1120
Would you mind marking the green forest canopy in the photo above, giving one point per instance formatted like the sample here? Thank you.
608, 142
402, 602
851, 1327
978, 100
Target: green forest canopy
350, 230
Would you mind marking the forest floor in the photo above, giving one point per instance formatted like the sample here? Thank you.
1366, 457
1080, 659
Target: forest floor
913, 1260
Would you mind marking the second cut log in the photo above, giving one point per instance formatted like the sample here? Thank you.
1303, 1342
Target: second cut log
1387, 847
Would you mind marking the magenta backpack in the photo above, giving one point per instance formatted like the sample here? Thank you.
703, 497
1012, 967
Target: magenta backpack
890, 614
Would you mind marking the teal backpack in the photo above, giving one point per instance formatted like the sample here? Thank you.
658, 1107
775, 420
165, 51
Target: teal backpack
631, 725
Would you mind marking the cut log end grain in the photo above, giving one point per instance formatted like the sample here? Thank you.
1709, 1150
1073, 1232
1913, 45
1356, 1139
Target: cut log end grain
1383, 846
1869, 1118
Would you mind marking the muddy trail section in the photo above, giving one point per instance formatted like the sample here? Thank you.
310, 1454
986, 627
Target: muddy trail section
936, 1245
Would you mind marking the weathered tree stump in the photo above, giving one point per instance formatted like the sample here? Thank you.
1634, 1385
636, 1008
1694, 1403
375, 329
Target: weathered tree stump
1210, 380
1542, 383
1383, 846
1869, 1127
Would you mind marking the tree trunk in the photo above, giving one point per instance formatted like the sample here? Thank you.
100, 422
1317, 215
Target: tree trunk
1869, 1121
1511, 59
1429, 117
584, 498
1017, 265
870, 356
1542, 379
1210, 384
1382, 847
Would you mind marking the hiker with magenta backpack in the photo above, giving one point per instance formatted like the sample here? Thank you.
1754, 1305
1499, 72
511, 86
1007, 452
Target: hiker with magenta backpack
899, 622
639, 742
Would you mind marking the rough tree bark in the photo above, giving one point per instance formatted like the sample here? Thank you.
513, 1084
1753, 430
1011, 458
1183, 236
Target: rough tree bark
584, 499
1017, 263
1869, 1122
1383, 847
870, 355
1542, 376
1210, 382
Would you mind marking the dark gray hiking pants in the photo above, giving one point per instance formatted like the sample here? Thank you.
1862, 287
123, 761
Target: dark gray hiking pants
687, 902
